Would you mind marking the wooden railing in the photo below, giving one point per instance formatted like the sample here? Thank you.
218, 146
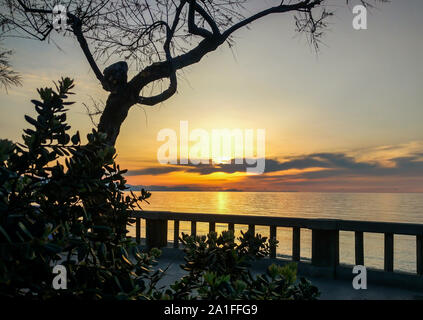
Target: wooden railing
325, 233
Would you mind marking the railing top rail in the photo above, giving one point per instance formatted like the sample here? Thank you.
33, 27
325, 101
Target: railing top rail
308, 223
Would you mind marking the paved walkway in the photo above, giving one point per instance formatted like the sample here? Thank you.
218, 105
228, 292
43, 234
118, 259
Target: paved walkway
331, 289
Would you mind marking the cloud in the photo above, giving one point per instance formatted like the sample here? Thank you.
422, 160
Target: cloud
317, 160
342, 165
320, 171
161, 188
336, 162
154, 171
179, 188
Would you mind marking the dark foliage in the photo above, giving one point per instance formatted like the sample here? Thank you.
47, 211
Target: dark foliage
219, 269
71, 212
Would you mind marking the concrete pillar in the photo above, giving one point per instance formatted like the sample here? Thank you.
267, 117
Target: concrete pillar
325, 248
156, 233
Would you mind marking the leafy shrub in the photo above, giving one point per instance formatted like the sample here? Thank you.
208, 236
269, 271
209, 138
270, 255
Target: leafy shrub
219, 268
71, 212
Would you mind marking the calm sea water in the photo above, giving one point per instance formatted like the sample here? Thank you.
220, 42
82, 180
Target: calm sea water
391, 207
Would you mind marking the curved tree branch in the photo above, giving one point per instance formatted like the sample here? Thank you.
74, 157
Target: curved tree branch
193, 28
77, 31
303, 5
160, 70
27, 9
151, 101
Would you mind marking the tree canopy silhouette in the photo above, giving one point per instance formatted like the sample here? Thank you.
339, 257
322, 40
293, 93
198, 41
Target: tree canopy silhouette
156, 38
8, 77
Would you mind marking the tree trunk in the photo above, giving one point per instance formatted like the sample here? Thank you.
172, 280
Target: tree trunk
115, 113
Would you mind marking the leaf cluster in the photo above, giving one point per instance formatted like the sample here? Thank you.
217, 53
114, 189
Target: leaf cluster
64, 203
220, 268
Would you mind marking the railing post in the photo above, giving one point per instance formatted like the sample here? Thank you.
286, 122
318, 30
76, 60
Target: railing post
252, 228
193, 228
156, 233
419, 258
176, 234
212, 227
325, 248
389, 252
359, 248
231, 228
138, 230
296, 243
273, 238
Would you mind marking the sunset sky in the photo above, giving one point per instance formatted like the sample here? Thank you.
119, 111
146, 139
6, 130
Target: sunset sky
346, 119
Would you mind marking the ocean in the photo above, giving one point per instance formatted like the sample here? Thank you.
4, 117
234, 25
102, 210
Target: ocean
388, 207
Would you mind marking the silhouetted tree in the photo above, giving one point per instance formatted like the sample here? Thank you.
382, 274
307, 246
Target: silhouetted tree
156, 37
8, 77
